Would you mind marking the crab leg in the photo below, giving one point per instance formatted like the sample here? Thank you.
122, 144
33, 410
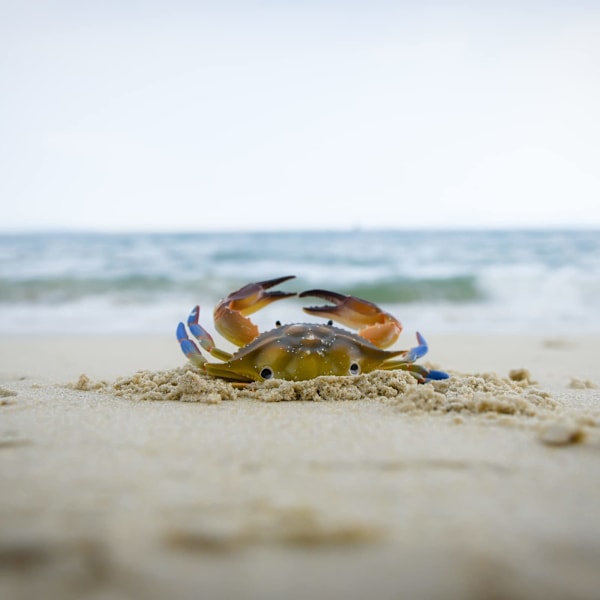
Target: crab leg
231, 313
204, 337
418, 351
410, 356
375, 325
190, 348
421, 373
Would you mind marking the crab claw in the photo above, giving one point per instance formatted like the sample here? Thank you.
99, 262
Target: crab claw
230, 313
375, 325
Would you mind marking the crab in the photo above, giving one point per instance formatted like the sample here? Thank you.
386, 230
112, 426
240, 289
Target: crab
300, 351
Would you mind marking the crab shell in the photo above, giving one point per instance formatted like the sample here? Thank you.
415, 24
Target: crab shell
302, 351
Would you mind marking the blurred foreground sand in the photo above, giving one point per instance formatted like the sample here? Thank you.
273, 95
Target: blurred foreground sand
106, 496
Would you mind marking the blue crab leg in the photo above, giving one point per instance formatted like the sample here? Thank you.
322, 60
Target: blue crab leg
421, 373
418, 351
421, 350
435, 375
424, 375
189, 347
204, 337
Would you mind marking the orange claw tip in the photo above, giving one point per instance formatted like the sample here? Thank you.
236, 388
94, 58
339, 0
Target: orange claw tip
254, 291
230, 314
325, 294
357, 310
269, 283
375, 325
333, 297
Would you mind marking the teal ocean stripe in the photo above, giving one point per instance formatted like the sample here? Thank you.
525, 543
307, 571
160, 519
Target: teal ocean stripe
64, 289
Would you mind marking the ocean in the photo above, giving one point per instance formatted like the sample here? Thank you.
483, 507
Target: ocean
433, 281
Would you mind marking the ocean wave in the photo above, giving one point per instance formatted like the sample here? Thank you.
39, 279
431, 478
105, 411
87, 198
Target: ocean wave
142, 288
67, 289
439, 280
408, 290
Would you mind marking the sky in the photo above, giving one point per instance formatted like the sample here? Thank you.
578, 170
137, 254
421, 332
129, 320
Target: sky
202, 116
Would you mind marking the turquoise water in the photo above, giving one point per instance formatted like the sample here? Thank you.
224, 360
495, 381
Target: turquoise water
542, 281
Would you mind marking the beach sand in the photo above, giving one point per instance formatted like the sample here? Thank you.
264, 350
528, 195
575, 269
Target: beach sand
480, 487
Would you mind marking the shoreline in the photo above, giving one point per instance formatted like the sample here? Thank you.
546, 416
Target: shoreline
111, 496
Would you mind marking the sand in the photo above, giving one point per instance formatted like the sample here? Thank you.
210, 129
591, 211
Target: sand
126, 474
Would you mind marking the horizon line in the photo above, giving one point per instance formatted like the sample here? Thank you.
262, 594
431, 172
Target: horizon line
285, 230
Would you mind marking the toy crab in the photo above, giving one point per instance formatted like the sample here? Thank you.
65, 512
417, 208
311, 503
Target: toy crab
301, 350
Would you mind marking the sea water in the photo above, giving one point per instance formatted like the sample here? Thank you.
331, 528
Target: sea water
433, 281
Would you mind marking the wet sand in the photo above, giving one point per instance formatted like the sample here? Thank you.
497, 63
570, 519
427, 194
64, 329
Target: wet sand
484, 486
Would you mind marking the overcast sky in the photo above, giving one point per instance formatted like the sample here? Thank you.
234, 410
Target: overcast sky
121, 115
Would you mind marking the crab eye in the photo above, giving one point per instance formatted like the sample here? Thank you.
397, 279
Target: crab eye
266, 373
354, 368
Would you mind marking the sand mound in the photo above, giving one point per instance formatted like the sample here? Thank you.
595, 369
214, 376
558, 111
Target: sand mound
482, 393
